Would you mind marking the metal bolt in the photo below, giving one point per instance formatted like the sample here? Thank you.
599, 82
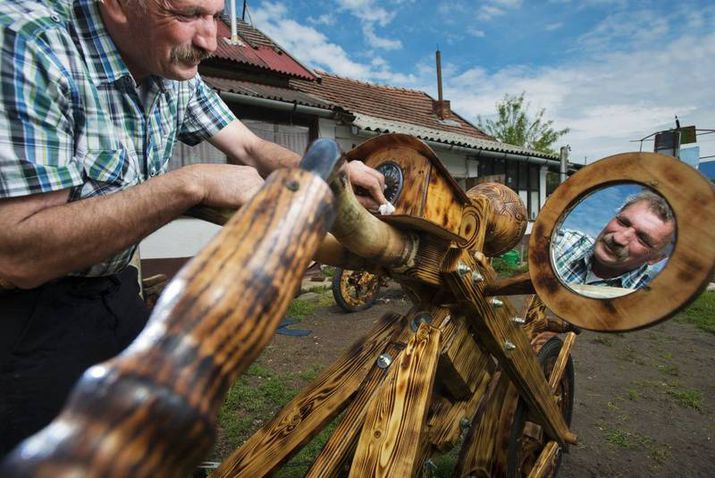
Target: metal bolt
477, 277
421, 318
509, 345
463, 269
384, 361
496, 302
519, 320
428, 468
293, 185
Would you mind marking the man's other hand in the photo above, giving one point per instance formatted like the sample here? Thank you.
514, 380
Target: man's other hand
369, 180
225, 185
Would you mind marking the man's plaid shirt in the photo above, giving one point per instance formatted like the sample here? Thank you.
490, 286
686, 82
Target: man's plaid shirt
70, 114
572, 254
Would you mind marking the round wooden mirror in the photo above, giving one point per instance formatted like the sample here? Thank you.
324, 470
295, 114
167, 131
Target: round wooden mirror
581, 258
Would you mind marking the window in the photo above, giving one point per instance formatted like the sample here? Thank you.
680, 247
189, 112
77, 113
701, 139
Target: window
292, 137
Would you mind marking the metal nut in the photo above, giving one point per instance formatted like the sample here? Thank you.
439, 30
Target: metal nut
509, 345
463, 269
477, 277
384, 361
496, 302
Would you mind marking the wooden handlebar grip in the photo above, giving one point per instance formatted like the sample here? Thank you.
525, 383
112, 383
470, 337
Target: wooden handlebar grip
151, 411
365, 235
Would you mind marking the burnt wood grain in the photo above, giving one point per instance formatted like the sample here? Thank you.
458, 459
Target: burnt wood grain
151, 411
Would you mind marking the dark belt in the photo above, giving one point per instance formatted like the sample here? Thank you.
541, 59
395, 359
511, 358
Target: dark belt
14, 301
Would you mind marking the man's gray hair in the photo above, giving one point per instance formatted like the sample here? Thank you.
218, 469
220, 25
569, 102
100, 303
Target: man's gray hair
656, 203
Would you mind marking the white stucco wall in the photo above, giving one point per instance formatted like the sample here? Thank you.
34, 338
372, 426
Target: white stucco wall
183, 237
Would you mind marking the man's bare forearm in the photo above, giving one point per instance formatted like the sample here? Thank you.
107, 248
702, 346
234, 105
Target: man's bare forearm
43, 237
242, 146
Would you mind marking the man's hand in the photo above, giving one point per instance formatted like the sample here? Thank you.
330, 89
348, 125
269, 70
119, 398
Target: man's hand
225, 185
370, 180
243, 147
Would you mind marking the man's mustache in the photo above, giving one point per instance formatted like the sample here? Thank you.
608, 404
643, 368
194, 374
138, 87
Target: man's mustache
618, 250
189, 54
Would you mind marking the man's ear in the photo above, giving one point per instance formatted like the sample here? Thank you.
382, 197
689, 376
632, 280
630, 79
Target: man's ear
114, 11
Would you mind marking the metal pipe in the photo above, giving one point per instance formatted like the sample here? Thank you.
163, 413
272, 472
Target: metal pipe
234, 27
276, 105
438, 56
564, 163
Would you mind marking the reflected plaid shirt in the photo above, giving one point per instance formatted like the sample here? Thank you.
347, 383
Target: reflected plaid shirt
71, 116
573, 254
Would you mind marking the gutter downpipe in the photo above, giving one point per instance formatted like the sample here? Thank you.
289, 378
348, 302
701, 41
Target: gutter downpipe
276, 105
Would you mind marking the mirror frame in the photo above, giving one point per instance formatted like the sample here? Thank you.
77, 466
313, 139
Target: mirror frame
691, 263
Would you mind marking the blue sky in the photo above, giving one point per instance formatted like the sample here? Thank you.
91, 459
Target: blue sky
611, 70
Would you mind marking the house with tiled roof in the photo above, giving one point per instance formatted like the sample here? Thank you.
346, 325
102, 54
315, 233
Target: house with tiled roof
284, 101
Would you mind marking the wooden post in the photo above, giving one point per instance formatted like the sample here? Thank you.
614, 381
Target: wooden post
304, 416
477, 454
561, 361
508, 343
545, 465
394, 427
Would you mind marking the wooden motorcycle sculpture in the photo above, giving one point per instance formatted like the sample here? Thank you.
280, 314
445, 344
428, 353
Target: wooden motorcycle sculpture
462, 364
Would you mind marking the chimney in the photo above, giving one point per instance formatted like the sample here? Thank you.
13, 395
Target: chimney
441, 106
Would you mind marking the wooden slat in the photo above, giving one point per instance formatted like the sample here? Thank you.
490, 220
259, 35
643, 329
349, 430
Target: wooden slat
496, 330
461, 362
444, 425
338, 450
561, 361
546, 463
394, 427
302, 418
477, 453
502, 437
516, 285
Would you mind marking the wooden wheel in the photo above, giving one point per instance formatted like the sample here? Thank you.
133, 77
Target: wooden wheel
355, 290
527, 438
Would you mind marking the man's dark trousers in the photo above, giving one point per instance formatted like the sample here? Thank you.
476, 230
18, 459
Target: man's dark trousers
50, 335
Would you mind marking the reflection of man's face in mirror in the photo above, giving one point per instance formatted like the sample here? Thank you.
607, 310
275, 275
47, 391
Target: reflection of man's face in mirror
637, 235
623, 254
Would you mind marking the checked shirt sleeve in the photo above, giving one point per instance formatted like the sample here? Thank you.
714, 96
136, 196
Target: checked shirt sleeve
206, 115
36, 130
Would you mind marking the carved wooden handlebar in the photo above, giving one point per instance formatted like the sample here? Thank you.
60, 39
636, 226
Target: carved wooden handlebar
152, 410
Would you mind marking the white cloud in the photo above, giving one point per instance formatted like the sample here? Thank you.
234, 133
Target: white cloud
626, 30
325, 19
628, 83
367, 11
607, 100
487, 12
475, 32
553, 26
378, 42
313, 48
495, 8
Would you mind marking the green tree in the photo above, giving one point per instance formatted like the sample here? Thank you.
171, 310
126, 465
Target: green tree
514, 126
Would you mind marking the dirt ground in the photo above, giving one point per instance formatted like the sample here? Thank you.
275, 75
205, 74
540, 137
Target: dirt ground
644, 402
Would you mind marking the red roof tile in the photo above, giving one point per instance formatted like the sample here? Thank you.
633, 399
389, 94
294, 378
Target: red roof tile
397, 104
259, 51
